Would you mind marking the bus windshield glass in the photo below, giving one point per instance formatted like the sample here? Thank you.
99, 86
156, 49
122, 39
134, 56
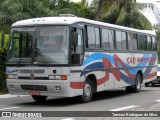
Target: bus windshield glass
39, 45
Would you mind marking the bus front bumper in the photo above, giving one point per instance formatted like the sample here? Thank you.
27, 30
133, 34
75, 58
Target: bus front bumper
56, 88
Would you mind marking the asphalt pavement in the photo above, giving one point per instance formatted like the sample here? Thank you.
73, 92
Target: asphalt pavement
108, 101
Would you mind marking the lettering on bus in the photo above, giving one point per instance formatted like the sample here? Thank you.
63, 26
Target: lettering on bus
133, 60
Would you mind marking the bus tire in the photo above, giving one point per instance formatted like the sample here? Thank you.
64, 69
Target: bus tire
137, 87
138, 81
87, 91
39, 98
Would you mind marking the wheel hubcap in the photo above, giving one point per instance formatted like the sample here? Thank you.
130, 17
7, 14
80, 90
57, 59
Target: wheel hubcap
87, 90
138, 82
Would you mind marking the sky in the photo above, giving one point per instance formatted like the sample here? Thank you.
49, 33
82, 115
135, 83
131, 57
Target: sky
150, 15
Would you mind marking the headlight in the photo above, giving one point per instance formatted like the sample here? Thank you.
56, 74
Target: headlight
54, 77
12, 76
57, 77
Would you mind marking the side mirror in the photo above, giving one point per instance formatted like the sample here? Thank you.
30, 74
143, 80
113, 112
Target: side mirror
75, 38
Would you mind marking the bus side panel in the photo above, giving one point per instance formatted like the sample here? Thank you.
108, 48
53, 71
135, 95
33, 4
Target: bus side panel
147, 63
122, 69
110, 69
118, 69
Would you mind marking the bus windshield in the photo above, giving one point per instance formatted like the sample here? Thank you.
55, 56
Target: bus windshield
39, 45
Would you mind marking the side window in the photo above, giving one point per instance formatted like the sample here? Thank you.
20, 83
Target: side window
142, 42
105, 42
97, 38
154, 44
111, 39
135, 41
124, 40
132, 41
149, 43
121, 40
79, 47
93, 37
118, 40
107, 39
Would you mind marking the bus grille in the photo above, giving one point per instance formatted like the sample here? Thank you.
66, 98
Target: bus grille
30, 71
34, 87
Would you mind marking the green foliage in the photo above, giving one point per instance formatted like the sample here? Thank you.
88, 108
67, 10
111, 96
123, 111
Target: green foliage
121, 12
3, 54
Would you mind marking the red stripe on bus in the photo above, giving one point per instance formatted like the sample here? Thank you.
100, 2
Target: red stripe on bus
151, 75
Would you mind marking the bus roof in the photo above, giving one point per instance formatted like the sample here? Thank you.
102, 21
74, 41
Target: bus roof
71, 20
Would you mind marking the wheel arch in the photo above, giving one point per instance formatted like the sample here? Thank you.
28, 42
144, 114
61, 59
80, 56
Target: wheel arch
93, 79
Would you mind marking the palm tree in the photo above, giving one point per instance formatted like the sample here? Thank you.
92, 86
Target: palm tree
121, 12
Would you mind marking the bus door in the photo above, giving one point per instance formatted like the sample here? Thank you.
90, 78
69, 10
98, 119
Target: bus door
76, 55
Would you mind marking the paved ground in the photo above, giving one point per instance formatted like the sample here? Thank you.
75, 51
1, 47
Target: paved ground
118, 100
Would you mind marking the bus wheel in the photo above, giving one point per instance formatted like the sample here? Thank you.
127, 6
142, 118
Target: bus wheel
137, 86
39, 98
87, 91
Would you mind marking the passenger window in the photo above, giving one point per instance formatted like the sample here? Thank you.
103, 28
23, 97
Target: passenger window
149, 43
124, 40
79, 47
97, 38
121, 40
111, 39
142, 42
118, 40
105, 42
93, 37
135, 41
132, 41
154, 44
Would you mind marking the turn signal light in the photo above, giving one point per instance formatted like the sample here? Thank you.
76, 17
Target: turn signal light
64, 77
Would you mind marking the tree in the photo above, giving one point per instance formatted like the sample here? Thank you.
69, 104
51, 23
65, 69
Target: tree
121, 12
14, 10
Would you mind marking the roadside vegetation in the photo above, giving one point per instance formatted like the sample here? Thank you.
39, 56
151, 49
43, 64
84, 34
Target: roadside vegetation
120, 12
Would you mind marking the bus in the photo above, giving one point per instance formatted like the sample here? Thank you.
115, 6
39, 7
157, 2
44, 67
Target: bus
67, 56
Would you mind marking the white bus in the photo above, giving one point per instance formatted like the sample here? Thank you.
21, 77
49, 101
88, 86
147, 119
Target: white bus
68, 56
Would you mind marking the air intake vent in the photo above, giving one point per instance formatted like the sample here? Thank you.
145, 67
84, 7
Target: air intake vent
30, 71
34, 87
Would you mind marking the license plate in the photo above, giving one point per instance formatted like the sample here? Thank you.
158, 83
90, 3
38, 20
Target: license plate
34, 93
